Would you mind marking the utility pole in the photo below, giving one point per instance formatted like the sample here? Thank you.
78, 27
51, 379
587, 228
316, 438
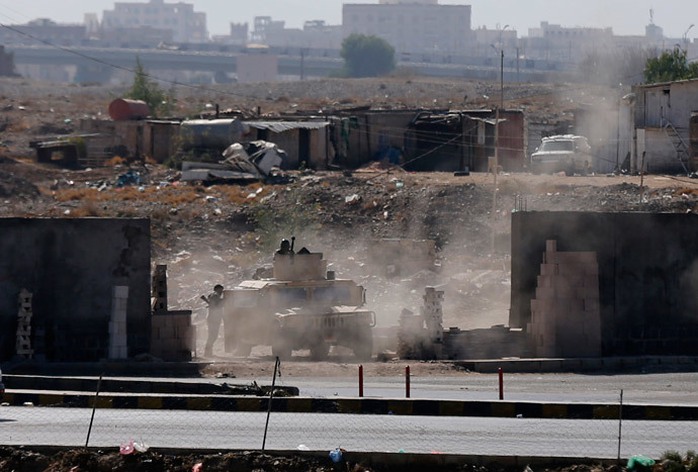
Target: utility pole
501, 79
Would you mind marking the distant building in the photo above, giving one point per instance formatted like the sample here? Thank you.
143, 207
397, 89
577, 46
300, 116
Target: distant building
556, 42
412, 26
315, 34
187, 25
239, 33
43, 29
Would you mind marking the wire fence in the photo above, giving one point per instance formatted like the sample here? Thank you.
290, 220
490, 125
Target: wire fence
179, 426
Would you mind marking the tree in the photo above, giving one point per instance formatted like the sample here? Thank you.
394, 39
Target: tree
146, 90
367, 56
670, 66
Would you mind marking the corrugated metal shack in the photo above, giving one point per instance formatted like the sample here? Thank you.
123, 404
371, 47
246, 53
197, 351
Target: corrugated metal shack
431, 140
303, 141
662, 126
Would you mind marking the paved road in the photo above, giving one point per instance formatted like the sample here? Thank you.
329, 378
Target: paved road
665, 388
288, 431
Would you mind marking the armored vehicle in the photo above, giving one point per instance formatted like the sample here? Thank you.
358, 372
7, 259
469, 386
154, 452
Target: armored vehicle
300, 305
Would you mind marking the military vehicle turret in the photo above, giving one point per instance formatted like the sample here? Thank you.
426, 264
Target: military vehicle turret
300, 305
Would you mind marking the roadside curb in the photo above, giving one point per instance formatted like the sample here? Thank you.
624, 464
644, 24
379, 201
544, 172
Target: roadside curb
361, 406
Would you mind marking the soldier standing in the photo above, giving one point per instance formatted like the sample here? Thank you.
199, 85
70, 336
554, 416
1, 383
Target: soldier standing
214, 318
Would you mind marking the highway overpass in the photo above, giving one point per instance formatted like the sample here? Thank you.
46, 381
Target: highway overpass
96, 64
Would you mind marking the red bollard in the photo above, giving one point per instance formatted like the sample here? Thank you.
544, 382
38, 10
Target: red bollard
501, 384
361, 381
407, 382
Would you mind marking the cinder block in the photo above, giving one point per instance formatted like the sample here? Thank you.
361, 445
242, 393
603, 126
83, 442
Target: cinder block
551, 246
545, 293
573, 270
548, 269
586, 292
121, 304
591, 280
24, 331
579, 257
562, 289
544, 281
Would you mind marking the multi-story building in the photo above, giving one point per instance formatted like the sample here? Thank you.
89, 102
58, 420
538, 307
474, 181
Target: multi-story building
561, 43
412, 26
187, 25
43, 29
316, 34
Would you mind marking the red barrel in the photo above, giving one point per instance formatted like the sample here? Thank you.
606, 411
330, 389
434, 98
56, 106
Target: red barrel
123, 109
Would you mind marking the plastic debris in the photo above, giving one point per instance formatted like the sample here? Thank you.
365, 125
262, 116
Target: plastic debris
640, 463
303, 447
128, 448
352, 199
336, 455
141, 446
198, 467
129, 178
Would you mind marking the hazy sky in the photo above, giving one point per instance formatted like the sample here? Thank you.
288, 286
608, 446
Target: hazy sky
624, 16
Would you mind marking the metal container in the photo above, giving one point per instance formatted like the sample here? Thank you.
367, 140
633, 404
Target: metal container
211, 134
124, 109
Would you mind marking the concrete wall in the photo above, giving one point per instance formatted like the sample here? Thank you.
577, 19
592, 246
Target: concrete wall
661, 154
70, 266
647, 274
257, 68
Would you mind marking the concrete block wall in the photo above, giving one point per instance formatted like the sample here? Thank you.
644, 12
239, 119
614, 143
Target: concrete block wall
565, 313
173, 336
70, 266
646, 266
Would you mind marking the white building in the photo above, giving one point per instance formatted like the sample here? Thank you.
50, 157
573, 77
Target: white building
316, 34
412, 26
187, 25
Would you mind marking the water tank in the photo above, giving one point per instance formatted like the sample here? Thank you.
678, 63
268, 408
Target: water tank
211, 134
123, 109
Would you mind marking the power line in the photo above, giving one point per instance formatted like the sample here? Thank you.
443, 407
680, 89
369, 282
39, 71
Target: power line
126, 69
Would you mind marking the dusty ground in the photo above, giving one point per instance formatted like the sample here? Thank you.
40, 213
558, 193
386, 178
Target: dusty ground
220, 234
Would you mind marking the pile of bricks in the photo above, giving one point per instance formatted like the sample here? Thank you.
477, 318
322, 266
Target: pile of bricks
24, 325
565, 314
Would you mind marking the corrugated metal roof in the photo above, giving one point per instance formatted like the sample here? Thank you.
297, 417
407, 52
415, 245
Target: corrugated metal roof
281, 126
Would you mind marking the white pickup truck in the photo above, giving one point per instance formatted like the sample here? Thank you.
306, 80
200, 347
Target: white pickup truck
566, 153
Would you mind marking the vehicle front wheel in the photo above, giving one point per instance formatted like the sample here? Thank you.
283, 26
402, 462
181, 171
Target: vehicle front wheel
320, 351
363, 346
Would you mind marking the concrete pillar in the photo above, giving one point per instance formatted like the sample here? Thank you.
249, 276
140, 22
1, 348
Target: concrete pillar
118, 341
433, 315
